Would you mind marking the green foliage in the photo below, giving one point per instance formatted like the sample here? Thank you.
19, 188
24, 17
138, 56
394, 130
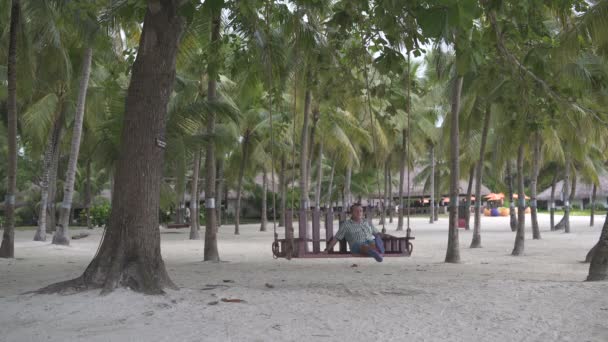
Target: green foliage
100, 214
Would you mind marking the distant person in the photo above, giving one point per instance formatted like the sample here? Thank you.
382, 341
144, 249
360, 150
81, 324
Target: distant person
362, 237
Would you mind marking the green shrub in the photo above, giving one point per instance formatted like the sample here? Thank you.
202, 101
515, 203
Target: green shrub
100, 214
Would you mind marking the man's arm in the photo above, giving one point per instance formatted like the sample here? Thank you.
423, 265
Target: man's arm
332, 242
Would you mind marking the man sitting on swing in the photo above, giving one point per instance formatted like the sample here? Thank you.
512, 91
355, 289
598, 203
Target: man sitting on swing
363, 238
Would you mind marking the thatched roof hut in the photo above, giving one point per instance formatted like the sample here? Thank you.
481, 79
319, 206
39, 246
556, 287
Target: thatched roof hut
583, 190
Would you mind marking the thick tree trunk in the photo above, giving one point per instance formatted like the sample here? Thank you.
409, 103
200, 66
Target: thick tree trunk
513, 219
453, 251
7, 247
283, 190
61, 236
129, 255
239, 184
593, 194
211, 252
432, 199
467, 203
518, 248
219, 188
304, 144
315, 120
264, 216
552, 203
401, 180
194, 199
533, 182
598, 270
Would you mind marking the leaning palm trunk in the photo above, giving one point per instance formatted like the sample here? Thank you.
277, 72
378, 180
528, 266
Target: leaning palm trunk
552, 202
467, 203
533, 182
453, 251
194, 200
518, 248
432, 200
47, 173
593, 194
7, 248
598, 270
239, 186
513, 219
61, 236
401, 181
476, 241
211, 252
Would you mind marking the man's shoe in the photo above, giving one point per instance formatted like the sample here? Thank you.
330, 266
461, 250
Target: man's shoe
375, 255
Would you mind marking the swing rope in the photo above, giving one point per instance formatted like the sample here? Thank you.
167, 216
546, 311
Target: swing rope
371, 118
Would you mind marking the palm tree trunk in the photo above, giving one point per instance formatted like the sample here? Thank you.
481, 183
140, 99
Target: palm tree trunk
7, 247
453, 251
432, 199
88, 195
390, 194
565, 221
382, 206
283, 186
347, 194
533, 183
315, 119
552, 202
401, 180
129, 255
513, 219
319, 176
518, 248
239, 186
593, 194
264, 216
61, 236
328, 203
194, 199
211, 252
52, 203
467, 203
476, 241
45, 183
219, 188
598, 270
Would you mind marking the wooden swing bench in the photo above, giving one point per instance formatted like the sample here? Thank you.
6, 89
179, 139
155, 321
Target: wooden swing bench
178, 225
282, 248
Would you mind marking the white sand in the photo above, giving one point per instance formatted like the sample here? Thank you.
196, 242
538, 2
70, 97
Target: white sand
490, 296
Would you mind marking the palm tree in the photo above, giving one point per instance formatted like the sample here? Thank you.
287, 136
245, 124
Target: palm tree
7, 248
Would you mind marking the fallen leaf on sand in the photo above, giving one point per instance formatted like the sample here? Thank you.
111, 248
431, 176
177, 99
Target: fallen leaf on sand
232, 300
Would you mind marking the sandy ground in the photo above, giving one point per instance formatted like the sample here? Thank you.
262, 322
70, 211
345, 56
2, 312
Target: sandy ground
490, 296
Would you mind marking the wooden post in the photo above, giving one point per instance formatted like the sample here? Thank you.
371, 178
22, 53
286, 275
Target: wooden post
288, 233
329, 225
316, 230
302, 241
